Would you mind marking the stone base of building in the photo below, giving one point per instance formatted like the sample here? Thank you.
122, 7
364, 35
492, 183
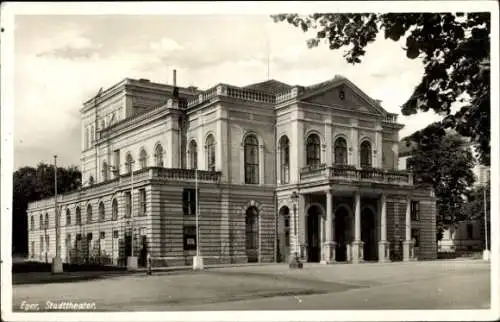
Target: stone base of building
383, 252
198, 263
57, 265
328, 253
357, 251
408, 251
132, 263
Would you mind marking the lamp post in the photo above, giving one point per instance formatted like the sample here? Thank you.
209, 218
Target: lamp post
132, 260
198, 259
486, 252
295, 260
57, 266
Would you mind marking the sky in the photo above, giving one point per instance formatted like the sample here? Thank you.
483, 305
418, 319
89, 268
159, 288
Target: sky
61, 61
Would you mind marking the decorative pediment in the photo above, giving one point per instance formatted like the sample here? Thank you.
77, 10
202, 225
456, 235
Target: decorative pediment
344, 94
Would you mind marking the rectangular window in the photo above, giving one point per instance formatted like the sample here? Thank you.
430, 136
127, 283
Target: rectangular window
415, 210
115, 234
102, 235
128, 204
142, 202
41, 244
189, 237
415, 235
189, 201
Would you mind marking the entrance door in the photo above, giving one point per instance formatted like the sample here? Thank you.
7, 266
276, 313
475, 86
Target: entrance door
128, 246
284, 235
368, 235
313, 235
341, 226
252, 234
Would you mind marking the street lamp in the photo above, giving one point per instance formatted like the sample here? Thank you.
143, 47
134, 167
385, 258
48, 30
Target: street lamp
295, 260
132, 260
57, 266
486, 252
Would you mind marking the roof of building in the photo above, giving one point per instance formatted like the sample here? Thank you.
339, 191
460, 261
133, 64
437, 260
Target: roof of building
271, 86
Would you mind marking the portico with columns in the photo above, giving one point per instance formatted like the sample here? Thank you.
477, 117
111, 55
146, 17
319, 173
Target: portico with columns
340, 224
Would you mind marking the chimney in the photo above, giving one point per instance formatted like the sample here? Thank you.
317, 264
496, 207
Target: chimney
176, 90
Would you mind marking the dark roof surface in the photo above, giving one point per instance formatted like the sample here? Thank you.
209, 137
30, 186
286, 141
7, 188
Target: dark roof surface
270, 86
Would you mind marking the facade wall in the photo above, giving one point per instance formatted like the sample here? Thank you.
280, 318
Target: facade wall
222, 205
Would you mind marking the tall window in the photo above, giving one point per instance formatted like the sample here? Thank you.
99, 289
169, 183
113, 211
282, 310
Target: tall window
32, 220
41, 221
41, 245
210, 145
159, 156
78, 216
313, 150
366, 155
105, 169
193, 154
415, 210
114, 210
68, 217
143, 159
285, 159
91, 180
102, 213
129, 161
142, 202
128, 204
251, 147
189, 201
340, 151
89, 214
46, 221
189, 237
251, 228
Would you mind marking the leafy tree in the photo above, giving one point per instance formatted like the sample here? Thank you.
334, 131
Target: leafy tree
30, 184
454, 49
444, 161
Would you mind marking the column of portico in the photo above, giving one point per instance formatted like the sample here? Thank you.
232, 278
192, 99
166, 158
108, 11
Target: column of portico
407, 243
383, 244
329, 245
357, 243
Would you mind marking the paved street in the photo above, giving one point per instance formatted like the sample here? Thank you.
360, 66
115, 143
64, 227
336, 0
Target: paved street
416, 285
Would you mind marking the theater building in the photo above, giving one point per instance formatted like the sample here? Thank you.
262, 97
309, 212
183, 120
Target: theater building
280, 169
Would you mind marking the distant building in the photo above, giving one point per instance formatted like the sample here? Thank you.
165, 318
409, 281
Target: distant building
468, 235
282, 169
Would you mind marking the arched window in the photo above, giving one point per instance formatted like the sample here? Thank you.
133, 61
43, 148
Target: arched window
313, 150
104, 171
32, 222
114, 210
78, 215
251, 147
143, 159
129, 162
159, 156
210, 145
285, 159
41, 221
46, 221
102, 214
89, 214
193, 154
340, 151
252, 233
68, 217
365, 154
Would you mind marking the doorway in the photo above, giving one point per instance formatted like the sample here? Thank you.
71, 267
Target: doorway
342, 220
283, 235
313, 234
252, 234
369, 235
